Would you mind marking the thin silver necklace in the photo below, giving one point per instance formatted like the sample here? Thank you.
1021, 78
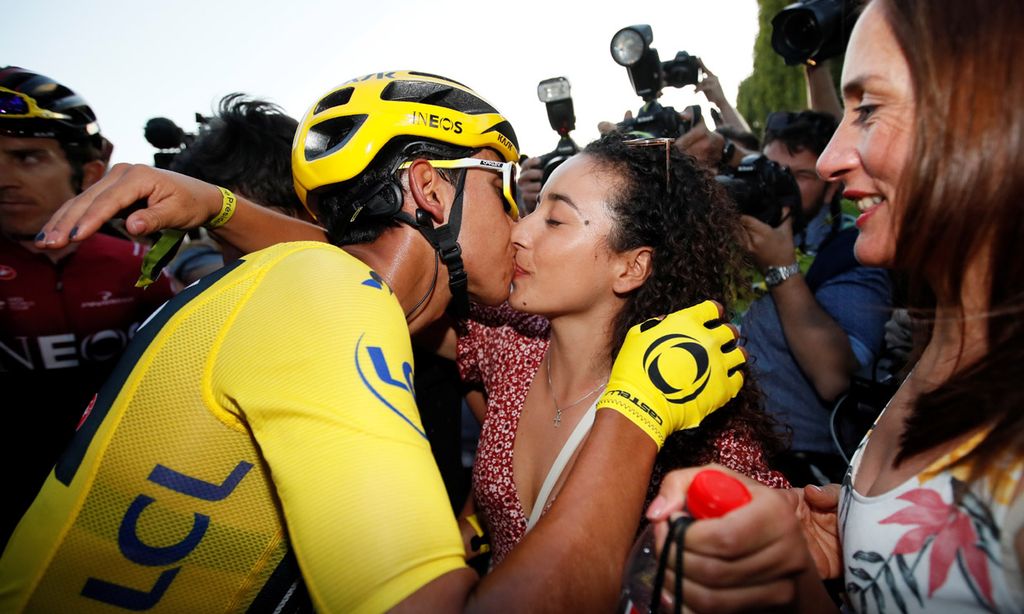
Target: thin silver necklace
557, 421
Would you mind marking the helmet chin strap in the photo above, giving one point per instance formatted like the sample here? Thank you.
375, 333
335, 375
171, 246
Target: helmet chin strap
445, 241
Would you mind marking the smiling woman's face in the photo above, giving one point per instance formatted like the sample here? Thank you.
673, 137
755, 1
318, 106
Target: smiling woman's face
563, 261
870, 149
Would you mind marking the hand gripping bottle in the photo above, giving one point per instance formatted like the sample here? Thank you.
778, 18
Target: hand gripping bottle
711, 494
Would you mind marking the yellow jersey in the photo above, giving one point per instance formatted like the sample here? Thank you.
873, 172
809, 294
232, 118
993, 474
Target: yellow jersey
264, 417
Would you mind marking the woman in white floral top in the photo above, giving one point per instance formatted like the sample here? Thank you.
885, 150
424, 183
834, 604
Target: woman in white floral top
930, 516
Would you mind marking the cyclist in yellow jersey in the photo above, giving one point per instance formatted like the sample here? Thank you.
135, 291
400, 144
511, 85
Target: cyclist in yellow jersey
260, 442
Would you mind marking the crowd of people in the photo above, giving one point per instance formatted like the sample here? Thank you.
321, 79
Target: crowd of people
253, 432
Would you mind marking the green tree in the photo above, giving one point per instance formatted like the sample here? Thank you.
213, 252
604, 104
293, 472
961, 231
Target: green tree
772, 86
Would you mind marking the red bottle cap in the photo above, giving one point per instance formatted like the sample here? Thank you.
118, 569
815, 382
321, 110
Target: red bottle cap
713, 494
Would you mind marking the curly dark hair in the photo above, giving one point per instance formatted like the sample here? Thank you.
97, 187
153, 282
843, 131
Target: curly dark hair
247, 148
694, 230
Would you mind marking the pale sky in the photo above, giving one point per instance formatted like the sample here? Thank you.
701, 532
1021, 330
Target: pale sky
137, 59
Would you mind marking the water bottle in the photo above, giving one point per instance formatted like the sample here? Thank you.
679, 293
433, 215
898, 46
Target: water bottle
711, 494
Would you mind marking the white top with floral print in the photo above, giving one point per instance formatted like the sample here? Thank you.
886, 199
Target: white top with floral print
935, 543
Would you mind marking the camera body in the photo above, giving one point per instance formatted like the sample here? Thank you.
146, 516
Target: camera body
811, 31
657, 121
555, 94
761, 188
631, 48
565, 149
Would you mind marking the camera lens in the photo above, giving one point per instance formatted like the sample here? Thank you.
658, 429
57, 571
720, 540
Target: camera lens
801, 33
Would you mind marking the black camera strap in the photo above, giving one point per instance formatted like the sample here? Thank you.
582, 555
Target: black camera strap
676, 537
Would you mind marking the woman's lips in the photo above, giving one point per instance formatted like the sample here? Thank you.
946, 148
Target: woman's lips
863, 218
867, 204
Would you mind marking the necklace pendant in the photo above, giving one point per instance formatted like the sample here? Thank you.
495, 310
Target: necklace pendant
558, 418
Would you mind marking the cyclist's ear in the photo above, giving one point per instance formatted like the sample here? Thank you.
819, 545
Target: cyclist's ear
429, 191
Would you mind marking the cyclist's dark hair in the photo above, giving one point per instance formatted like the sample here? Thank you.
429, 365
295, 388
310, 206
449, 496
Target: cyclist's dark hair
693, 228
246, 147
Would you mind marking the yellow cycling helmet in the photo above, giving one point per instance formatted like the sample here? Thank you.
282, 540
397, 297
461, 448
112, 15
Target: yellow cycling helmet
341, 135
361, 124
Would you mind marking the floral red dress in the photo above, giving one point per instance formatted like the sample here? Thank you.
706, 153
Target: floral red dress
503, 349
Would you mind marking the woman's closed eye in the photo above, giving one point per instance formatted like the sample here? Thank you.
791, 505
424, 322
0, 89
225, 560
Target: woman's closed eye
864, 112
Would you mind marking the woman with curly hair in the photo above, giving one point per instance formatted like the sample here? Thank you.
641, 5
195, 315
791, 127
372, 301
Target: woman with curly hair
623, 232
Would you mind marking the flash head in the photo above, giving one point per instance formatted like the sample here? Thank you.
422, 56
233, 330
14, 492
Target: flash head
553, 90
630, 44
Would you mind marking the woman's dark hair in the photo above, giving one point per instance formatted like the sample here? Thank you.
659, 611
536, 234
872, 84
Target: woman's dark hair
962, 192
693, 229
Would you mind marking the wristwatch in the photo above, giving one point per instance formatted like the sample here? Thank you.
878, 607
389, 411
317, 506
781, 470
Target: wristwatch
775, 275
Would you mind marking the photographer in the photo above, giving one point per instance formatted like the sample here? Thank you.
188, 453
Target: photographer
822, 315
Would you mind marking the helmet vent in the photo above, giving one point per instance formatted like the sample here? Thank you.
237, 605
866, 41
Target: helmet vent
331, 135
438, 95
334, 99
438, 77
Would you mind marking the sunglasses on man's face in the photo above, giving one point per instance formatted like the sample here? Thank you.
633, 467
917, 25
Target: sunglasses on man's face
509, 172
15, 105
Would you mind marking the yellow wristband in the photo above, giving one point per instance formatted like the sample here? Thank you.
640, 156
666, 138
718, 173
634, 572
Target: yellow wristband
227, 209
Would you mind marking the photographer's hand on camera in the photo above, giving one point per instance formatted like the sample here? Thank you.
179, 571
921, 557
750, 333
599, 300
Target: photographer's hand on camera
607, 127
712, 90
769, 246
709, 148
818, 343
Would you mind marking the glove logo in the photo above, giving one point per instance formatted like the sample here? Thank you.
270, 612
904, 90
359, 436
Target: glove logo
677, 356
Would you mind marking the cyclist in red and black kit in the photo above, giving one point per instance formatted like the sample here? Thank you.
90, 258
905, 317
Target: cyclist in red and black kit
65, 316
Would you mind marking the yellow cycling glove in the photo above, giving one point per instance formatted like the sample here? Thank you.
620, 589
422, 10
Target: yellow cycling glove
671, 373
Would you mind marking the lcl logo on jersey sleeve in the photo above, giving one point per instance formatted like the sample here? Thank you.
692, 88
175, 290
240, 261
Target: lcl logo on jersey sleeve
389, 380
